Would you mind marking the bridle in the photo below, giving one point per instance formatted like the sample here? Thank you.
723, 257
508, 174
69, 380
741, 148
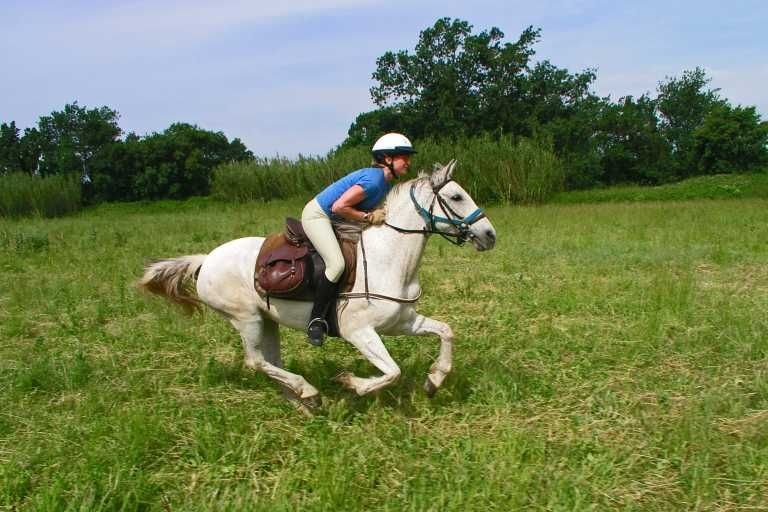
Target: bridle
462, 224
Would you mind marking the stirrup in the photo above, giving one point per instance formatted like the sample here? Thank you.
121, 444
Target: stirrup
316, 331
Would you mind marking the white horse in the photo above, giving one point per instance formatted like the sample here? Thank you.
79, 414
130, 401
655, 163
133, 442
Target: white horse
384, 305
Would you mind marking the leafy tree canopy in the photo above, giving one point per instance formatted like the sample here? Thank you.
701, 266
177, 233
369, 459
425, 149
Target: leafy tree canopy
458, 83
730, 139
69, 139
10, 146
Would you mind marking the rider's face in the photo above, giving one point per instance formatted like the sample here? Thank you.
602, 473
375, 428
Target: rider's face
401, 164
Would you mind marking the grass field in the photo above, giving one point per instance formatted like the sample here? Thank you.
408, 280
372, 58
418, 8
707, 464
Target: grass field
609, 356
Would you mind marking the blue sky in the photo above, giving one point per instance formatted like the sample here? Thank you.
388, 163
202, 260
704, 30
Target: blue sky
289, 77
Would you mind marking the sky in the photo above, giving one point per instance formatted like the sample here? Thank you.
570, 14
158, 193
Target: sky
289, 77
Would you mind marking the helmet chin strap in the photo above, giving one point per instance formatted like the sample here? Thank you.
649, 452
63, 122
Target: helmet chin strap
391, 169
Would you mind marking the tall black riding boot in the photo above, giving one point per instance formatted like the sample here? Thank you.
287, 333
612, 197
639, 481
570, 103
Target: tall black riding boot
325, 296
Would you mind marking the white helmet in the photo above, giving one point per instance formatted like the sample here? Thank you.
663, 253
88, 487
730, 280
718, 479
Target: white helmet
392, 144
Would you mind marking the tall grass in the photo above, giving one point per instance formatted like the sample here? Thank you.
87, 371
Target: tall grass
493, 171
507, 171
265, 179
22, 194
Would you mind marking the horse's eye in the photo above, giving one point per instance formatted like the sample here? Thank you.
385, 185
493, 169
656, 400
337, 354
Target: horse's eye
457, 197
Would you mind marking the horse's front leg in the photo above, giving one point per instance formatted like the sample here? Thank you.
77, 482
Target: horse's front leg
420, 325
368, 342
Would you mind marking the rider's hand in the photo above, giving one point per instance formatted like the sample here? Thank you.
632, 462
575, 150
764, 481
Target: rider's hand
377, 216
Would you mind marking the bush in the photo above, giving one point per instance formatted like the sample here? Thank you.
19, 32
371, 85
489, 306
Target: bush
22, 194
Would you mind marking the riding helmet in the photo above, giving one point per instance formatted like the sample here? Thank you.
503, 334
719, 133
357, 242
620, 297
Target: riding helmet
392, 144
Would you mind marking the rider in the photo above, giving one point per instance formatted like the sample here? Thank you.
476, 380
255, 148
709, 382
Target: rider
353, 197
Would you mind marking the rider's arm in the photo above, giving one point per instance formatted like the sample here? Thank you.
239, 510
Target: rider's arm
345, 205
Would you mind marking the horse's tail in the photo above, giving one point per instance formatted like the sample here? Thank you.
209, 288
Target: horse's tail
174, 278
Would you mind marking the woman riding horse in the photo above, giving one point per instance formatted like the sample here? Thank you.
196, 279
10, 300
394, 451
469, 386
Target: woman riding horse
353, 197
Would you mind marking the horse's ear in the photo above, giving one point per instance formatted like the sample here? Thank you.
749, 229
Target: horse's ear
451, 168
442, 175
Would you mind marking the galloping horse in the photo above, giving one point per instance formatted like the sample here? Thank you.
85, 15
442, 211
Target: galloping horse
381, 301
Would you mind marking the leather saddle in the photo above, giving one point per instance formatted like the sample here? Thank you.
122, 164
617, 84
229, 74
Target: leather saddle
289, 267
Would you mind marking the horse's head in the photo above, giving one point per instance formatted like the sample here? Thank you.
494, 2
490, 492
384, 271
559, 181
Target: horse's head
450, 210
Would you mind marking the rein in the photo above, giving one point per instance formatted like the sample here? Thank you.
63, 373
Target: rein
367, 295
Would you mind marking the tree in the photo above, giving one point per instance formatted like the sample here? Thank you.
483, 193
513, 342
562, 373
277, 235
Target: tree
730, 140
576, 138
631, 148
458, 83
550, 93
10, 148
114, 171
30, 151
178, 162
69, 139
683, 104
454, 78
369, 126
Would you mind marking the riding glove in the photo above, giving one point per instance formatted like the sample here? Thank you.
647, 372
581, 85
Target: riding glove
377, 216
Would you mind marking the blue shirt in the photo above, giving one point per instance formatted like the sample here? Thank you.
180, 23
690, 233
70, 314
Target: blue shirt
370, 178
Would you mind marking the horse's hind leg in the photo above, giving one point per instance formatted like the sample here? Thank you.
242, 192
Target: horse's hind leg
261, 343
270, 342
270, 348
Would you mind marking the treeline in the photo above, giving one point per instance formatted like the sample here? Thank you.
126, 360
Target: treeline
522, 129
86, 146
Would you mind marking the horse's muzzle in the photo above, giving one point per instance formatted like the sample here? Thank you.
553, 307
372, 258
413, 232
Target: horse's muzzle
484, 241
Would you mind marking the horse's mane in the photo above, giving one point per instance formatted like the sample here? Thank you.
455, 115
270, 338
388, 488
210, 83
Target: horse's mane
404, 187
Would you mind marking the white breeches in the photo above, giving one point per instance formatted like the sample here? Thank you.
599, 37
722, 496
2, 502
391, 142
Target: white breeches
318, 228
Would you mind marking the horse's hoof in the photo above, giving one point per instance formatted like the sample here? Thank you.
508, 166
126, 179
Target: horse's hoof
307, 406
429, 388
303, 409
313, 402
345, 379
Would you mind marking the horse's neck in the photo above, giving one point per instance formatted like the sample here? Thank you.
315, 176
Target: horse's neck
393, 257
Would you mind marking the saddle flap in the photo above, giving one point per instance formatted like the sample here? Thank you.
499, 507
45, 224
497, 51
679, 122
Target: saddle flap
281, 267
